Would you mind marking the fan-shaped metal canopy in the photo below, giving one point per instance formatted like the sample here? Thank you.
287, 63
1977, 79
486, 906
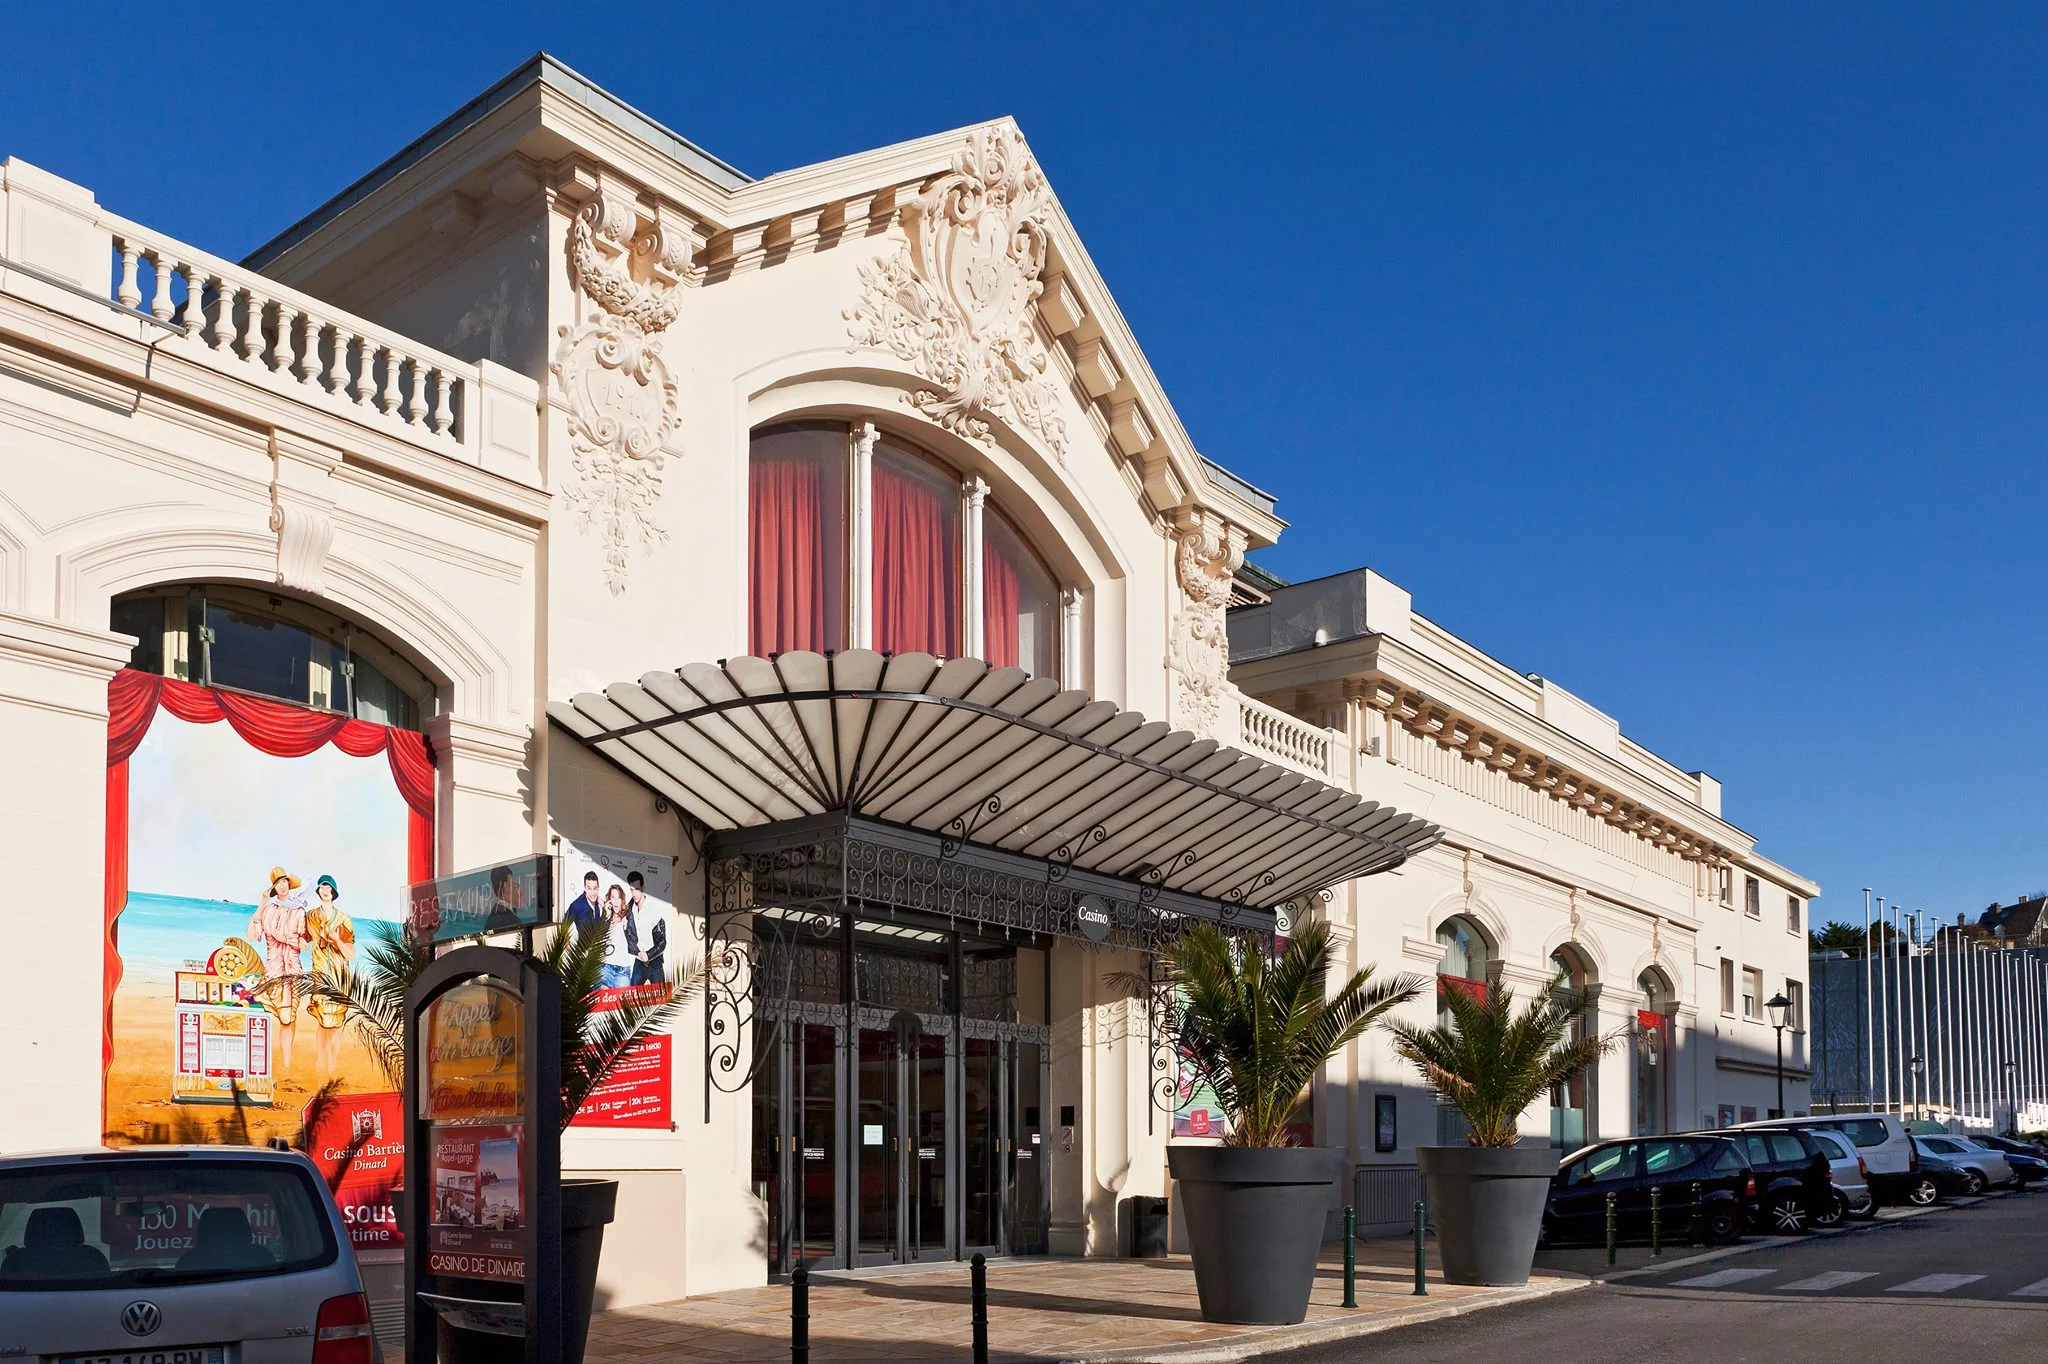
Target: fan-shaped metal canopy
992, 757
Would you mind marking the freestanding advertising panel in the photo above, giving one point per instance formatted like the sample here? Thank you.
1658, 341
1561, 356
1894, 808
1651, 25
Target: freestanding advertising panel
483, 1168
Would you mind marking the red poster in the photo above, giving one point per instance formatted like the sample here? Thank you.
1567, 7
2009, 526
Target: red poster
477, 1205
358, 1143
637, 1094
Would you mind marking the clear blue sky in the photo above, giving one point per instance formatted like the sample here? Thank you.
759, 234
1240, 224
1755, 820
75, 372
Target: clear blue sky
1691, 356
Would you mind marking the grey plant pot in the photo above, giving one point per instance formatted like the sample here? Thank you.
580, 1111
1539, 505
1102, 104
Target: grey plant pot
1487, 1208
1255, 1222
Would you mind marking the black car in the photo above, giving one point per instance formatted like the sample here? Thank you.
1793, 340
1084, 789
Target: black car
1935, 1178
1704, 1187
1794, 1185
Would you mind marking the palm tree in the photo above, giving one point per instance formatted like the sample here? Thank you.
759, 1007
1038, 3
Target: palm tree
1257, 1029
1491, 1063
594, 1041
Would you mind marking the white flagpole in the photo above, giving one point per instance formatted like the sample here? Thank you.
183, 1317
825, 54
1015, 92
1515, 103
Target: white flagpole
1921, 983
1883, 1061
1942, 941
1869, 1022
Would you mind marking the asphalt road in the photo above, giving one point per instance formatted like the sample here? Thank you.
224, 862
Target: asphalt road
1965, 1282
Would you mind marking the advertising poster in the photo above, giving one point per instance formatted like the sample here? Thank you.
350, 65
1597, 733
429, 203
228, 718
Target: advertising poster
637, 1094
479, 1207
1196, 1110
628, 897
358, 1143
243, 865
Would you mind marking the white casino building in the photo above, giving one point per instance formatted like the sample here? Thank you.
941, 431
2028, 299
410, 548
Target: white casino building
558, 485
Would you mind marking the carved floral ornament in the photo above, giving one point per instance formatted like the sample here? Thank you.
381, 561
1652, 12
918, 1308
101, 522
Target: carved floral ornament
1208, 551
955, 301
622, 403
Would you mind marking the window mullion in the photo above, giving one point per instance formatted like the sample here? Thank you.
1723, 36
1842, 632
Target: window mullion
973, 493
861, 572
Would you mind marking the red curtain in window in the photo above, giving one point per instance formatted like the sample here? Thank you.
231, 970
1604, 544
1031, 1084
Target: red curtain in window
1475, 988
274, 727
1000, 598
916, 590
787, 574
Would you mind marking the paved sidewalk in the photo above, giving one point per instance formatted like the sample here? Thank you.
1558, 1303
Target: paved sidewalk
1099, 1309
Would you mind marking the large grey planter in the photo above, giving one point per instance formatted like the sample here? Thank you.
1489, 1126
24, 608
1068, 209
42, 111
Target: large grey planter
1487, 1208
1255, 1222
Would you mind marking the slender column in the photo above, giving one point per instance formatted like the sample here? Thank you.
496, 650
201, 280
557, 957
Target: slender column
1883, 1062
1072, 671
973, 495
861, 578
1869, 1021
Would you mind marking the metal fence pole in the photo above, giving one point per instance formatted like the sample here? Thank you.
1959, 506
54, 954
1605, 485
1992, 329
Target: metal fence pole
1699, 1215
1421, 1254
800, 1315
1350, 1255
979, 1276
1610, 1229
1656, 1221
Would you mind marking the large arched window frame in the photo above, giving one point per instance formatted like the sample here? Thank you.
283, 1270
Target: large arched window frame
1572, 1116
1655, 1023
858, 538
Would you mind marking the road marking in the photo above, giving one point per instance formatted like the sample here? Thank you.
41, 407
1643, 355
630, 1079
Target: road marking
2032, 1290
1721, 1278
1828, 1282
1934, 1283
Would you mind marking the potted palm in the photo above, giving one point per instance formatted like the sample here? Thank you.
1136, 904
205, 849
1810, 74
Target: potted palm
1491, 1063
1257, 1030
594, 1041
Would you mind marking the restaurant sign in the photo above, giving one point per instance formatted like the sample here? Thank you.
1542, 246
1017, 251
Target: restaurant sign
502, 898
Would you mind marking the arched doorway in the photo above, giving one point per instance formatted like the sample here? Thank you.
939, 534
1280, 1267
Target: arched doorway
1572, 1119
1653, 1053
1467, 968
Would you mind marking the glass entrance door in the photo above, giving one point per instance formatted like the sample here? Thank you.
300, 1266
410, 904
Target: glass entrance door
903, 1207
797, 1105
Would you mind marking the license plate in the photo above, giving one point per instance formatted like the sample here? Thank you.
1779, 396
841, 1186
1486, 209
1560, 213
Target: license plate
191, 1354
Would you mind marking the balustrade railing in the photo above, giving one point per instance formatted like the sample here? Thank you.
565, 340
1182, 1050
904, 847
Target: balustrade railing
236, 319
1295, 743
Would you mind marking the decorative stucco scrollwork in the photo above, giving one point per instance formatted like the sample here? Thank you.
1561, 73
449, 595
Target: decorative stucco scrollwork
1207, 552
955, 301
622, 403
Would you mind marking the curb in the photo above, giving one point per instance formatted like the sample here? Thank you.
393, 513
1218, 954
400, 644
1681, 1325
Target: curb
1277, 1339
1767, 1243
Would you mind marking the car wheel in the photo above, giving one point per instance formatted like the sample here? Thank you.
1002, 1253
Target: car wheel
1834, 1214
1786, 1215
1720, 1226
1865, 1211
1973, 1180
1922, 1193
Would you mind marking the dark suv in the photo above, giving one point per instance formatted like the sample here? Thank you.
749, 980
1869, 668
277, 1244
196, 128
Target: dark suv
1704, 1188
1794, 1187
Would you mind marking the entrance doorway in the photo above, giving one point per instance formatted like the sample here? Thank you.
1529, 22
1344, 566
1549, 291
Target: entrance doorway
891, 1134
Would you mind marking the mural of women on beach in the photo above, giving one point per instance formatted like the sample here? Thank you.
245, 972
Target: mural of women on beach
236, 859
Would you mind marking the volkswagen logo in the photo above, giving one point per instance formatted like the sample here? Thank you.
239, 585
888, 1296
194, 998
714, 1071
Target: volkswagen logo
141, 1318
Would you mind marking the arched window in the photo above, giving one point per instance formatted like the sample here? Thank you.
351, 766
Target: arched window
1653, 1040
894, 551
1571, 1103
242, 639
1466, 955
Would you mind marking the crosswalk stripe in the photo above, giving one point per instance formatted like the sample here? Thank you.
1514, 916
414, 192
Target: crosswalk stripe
1934, 1283
1721, 1278
2032, 1290
1828, 1282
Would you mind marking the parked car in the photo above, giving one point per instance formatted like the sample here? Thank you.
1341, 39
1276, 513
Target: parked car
1891, 1161
1937, 1178
1851, 1177
1675, 1167
1984, 1166
177, 1255
1795, 1186
2029, 1163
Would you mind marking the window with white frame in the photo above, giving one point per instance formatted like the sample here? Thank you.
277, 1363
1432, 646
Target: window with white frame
858, 539
1752, 992
1795, 994
1727, 986
1795, 914
1752, 897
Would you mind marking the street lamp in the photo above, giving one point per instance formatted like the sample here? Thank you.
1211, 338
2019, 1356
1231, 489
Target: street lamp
1917, 1066
1781, 1014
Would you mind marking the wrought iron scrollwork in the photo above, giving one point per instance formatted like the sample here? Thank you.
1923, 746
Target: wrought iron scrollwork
1060, 859
1162, 1036
960, 829
1153, 879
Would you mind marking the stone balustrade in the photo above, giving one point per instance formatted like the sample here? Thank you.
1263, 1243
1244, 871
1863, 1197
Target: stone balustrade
1279, 737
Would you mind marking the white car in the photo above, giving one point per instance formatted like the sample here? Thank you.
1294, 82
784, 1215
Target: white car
176, 1255
1981, 1165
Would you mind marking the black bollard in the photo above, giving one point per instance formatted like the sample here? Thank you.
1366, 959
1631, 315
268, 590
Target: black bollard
1421, 1254
1656, 1222
1350, 1256
1610, 1229
800, 1315
1699, 1216
978, 1274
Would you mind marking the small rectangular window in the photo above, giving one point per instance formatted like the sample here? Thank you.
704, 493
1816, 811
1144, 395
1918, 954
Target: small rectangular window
1795, 1017
1724, 885
1727, 986
1752, 898
1752, 992
1793, 914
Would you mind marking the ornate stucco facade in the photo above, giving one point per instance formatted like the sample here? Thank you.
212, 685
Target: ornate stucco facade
493, 405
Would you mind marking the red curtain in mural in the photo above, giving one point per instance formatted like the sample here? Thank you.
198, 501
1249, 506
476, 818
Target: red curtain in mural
917, 557
274, 727
796, 541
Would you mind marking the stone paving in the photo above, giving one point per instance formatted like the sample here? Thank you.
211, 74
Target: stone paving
1070, 1309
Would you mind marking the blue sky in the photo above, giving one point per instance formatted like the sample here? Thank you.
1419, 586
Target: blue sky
1690, 356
